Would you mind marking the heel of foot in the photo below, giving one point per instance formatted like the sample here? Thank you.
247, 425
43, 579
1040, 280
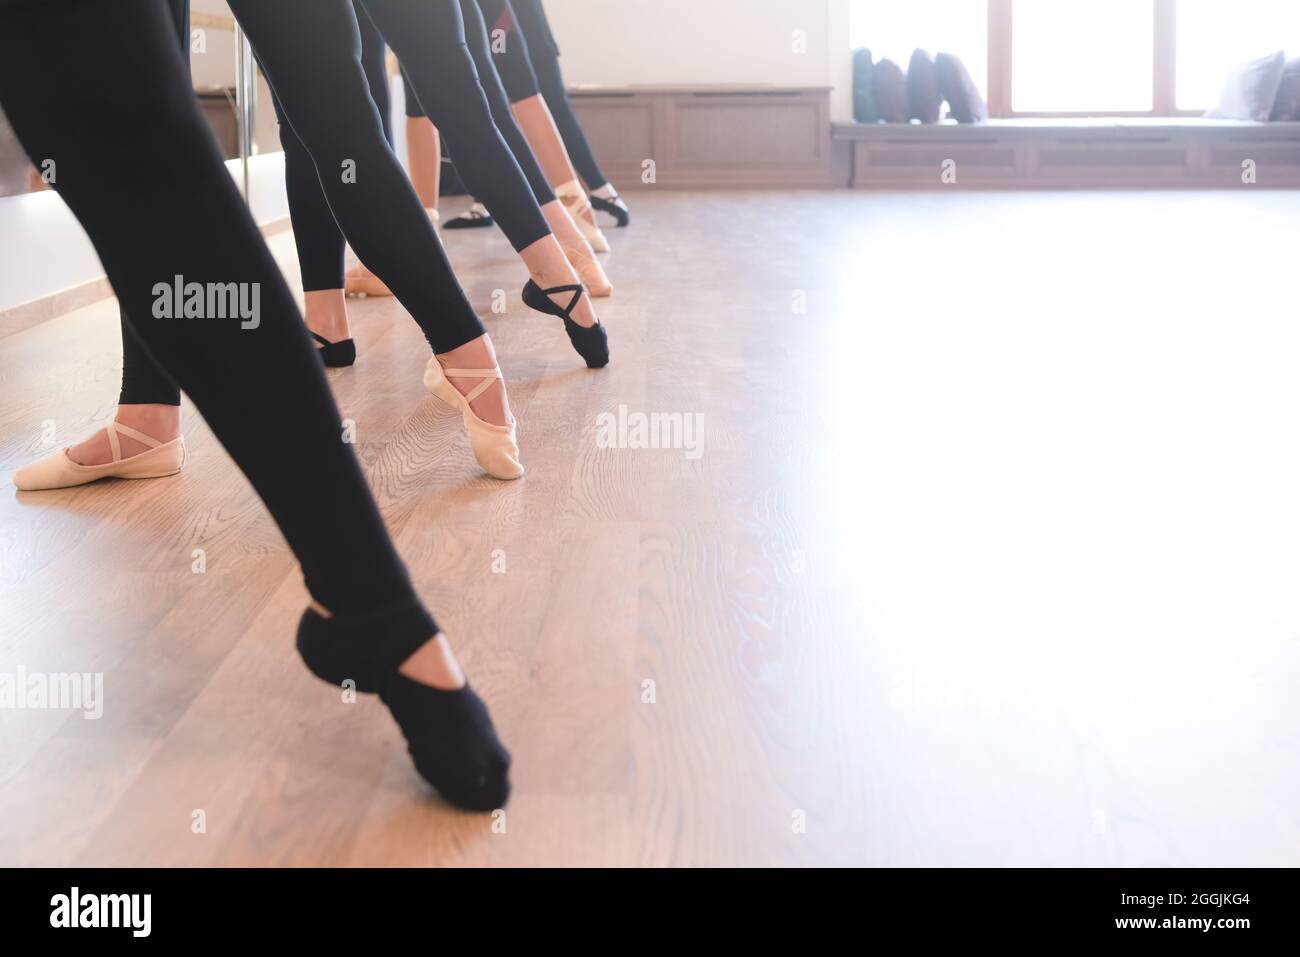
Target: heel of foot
363, 648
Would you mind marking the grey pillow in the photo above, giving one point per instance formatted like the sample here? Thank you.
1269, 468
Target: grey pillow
1286, 108
957, 87
923, 98
889, 83
864, 95
1251, 90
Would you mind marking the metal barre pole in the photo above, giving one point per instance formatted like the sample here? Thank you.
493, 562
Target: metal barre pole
245, 92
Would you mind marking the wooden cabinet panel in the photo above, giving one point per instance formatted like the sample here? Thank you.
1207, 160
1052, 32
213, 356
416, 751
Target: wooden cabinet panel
1065, 154
711, 137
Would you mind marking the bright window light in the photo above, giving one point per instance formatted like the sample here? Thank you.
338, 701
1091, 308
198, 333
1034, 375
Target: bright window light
892, 29
1216, 35
1083, 56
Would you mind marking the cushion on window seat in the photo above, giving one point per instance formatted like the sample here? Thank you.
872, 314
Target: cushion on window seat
923, 97
864, 93
1251, 90
1286, 107
890, 86
957, 87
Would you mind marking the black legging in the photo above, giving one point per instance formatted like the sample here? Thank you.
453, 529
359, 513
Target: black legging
373, 62
143, 382
333, 138
139, 168
300, 43
320, 244
528, 63
431, 91
538, 51
511, 54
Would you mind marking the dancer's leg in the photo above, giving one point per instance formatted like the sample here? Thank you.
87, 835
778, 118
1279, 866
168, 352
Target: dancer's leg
510, 57
316, 235
149, 401
430, 42
467, 103
70, 97
423, 145
544, 54
262, 392
560, 205
374, 62
310, 52
374, 55
359, 280
424, 154
320, 242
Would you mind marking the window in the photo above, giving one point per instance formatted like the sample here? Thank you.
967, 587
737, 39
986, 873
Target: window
1082, 56
1085, 57
1215, 35
892, 29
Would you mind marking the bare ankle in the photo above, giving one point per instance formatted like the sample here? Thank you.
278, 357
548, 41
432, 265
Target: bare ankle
493, 405
161, 422
327, 314
584, 314
434, 664
475, 354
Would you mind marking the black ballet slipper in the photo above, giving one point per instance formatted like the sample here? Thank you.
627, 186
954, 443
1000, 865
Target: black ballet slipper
476, 217
614, 207
449, 734
592, 344
336, 355
452, 742
364, 648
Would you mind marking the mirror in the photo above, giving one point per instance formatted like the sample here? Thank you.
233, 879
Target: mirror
213, 70
213, 65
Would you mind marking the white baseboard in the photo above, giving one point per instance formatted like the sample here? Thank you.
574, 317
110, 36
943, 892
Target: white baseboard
46, 259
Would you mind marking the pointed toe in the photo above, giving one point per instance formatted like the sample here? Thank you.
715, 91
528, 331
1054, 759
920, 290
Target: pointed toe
496, 447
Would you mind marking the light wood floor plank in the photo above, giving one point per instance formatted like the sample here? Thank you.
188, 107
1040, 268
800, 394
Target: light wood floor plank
989, 557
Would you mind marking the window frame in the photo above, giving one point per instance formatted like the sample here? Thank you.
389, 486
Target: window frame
1164, 79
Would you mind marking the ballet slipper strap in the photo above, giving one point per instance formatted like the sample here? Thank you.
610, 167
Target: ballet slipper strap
573, 303
570, 190
578, 202
386, 636
479, 389
115, 427
489, 376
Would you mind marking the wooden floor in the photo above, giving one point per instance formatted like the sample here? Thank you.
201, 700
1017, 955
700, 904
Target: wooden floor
992, 557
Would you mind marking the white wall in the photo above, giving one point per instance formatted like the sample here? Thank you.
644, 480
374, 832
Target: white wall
617, 42
43, 249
